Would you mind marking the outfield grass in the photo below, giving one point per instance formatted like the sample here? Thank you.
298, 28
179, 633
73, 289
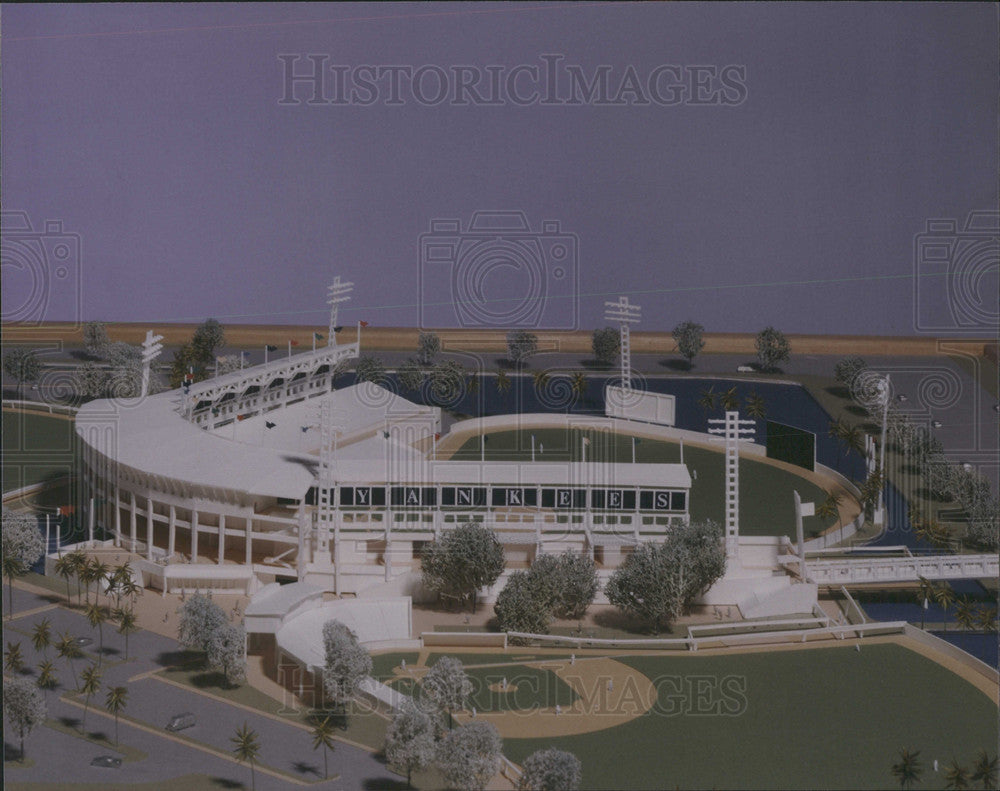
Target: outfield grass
36, 448
817, 718
766, 503
535, 688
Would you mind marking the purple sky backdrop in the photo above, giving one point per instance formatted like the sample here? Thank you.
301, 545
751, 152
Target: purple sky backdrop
155, 133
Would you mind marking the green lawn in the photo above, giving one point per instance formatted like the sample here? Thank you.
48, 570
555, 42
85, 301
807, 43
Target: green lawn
818, 718
35, 448
766, 504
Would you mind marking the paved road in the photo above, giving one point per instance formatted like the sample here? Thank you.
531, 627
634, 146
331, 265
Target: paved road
64, 759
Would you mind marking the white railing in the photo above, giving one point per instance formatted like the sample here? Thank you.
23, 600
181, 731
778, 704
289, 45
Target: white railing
903, 569
52, 409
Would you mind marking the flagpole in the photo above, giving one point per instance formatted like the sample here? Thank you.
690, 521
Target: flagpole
633, 450
532, 447
289, 350
682, 450
314, 341
265, 354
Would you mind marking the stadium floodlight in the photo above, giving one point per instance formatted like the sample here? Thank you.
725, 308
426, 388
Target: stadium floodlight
625, 314
733, 430
151, 348
337, 292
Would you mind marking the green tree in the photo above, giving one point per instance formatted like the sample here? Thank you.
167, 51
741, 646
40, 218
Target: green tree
706, 399
447, 686
91, 678
550, 770
567, 583
944, 596
908, 769
521, 344
22, 365
115, 703
956, 776
79, 563
322, 733
13, 661
127, 623
986, 619
227, 652
730, 400
65, 568
410, 375
606, 344
657, 582
503, 382
246, 747
462, 561
984, 771
209, 337
772, 348
756, 406
518, 606
579, 383
847, 370
409, 740
688, 338
965, 614
95, 338
22, 547
347, 663
469, 756
47, 676
447, 381
830, 507
370, 369
67, 649
428, 347
96, 616
200, 618
23, 707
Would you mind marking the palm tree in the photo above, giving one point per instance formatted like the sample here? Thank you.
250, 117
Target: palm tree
924, 594
78, 562
984, 771
322, 733
84, 575
96, 617
41, 636
706, 400
579, 383
965, 614
756, 408
12, 659
945, 597
830, 507
102, 574
91, 677
131, 589
956, 776
541, 379
47, 676
126, 624
730, 401
245, 748
65, 568
854, 439
120, 576
909, 768
12, 567
115, 703
503, 381
69, 650
986, 619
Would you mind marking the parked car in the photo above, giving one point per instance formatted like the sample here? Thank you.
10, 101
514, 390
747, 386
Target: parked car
181, 721
107, 762
745, 369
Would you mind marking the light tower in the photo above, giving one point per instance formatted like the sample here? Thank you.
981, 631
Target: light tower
151, 348
326, 512
625, 314
336, 293
884, 395
734, 431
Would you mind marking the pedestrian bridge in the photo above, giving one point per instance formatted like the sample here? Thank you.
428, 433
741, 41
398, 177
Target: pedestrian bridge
899, 568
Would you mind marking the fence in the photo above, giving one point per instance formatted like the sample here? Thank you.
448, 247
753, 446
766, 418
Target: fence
39, 406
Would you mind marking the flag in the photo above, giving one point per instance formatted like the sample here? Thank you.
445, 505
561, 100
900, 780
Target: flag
293, 343
240, 417
437, 436
385, 434
319, 336
586, 441
215, 411
271, 348
363, 323
66, 510
304, 429
338, 329
269, 424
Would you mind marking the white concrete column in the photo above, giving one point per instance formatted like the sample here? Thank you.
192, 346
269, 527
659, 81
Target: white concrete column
249, 543
194, 536
118, 517
222, 538
171, 541
131, 520
90, 522
302, 559
149, 528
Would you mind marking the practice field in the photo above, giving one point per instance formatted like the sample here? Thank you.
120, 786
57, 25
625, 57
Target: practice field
766, 504
829, 717
35, 448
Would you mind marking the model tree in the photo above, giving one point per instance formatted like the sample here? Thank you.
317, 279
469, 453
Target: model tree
428, 347
521, 607
550, 770
347, 663
657, 582
227, 652
23, 546
369, 369
447, 382
411, 375
409, 740
447, 686
200, 618
462, 561
22, 365
469, 756
566, 584
322, 733
95, 338
847, 370
772, 348
908, 769
688, 337
606, 343
521, 344
23, 707
209, 337
228, 363
246, 747
115, 702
